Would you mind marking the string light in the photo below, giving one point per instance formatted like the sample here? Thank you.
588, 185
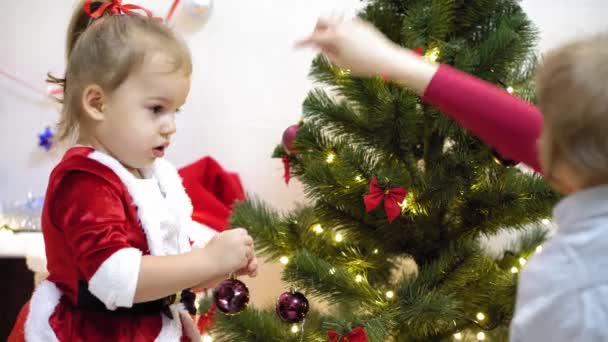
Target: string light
339, 237
344, 72
294, 329
332, 271
458, 336
359, 278
510, 90
390, 294
358, 179
522, 261
317, 228
207, 338
376, 251
480, 316
432, 55
546, 222
539, 249
481, 336
284, 260
514, 270
330, 157
403, 205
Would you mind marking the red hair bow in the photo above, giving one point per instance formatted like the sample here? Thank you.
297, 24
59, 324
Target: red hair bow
114, 7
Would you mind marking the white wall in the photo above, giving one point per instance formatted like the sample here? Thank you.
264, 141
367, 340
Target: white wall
248, 85
248, 82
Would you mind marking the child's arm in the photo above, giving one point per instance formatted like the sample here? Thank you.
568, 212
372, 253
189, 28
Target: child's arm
96, 231
509, 124
506, 122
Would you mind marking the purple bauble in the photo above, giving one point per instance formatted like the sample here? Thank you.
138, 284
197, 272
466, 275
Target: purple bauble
289, 136
231, 296
292, 307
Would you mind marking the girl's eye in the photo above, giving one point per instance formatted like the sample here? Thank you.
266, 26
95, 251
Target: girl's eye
156, 109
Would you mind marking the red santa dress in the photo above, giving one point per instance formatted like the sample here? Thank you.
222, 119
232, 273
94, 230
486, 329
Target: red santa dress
98, 221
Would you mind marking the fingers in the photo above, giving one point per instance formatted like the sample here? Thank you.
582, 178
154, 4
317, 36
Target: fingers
248, 240
252, 268
323, 33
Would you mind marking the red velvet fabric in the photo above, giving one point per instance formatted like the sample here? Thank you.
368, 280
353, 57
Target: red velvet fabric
92, 218
501, 120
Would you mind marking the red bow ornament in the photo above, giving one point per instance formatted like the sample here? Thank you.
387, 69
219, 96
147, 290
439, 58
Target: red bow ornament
206, 320
287, 170
356, 335
114, 7
392, 198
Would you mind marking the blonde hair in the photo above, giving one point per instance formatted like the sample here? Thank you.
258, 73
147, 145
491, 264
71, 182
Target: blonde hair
572, 87
105, 51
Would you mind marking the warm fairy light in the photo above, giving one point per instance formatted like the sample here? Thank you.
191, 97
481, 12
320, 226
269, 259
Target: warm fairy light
510, 90
344, 72
332, 271
514, 270
390, 294
546, 222
284, 260
458, 336
539, 249
294, 329
522, 261
330, 158
359, 278
358, 179
403, 205
480, 316
207, 338
317, 228
432, 55
376, 251
481, 336
339, 237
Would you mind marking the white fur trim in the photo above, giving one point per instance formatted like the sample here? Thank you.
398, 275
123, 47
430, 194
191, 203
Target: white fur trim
42, 305
115, 281
162, 217
200, 234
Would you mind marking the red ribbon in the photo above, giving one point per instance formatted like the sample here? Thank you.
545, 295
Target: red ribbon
356, 335
391, 197
206, 319
114, 7
287, 174
172, 10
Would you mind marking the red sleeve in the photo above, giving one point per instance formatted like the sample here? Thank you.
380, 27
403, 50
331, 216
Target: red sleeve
507, 123
90, 212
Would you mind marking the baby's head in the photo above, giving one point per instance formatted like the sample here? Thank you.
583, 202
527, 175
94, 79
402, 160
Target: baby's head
572, 87
126, 77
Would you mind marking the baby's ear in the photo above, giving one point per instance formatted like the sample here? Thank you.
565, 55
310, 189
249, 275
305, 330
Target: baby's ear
93, 102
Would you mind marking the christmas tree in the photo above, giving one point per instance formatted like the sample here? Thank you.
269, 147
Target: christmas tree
400, 195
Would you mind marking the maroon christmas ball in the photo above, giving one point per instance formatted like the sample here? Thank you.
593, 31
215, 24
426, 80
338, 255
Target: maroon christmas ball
231, 296
292, 307
289, 136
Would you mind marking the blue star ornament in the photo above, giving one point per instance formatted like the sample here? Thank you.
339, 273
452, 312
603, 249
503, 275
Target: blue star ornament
45, 139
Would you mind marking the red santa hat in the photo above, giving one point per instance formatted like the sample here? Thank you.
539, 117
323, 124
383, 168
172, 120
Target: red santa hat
213, 192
